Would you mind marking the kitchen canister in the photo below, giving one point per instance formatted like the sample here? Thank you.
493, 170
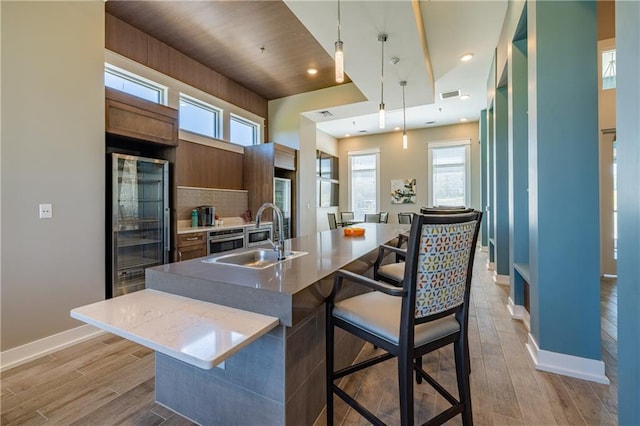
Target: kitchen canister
194, 218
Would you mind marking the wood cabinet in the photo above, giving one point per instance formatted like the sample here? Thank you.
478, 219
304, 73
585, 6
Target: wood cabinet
284, 157
132, 117
191, 246
263, 163
203, 166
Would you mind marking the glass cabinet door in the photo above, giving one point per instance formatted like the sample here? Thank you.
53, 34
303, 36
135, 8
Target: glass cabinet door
139, 220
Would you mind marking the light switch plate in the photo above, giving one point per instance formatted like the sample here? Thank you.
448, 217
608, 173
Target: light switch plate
46, 211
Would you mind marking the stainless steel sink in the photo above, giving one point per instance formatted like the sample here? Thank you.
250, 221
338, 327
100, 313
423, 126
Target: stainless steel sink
256, 259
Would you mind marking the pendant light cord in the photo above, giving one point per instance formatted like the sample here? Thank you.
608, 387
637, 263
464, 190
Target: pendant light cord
382, 38
339, 20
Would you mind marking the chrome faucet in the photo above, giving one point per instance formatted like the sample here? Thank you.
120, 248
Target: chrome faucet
279, 222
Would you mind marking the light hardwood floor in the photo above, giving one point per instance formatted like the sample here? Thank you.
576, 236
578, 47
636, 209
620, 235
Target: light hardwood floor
109, 380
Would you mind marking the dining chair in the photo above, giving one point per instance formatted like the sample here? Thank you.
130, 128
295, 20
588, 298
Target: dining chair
404, 218
429, 311
333, 223
372, 217
346, 217
384, 217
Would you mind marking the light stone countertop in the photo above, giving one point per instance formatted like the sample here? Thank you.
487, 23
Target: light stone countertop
285, 290
199, 333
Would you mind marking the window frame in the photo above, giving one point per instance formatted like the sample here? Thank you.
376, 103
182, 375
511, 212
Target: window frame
602, 67
466, 143
350, 155
217, 112
139, 80
239, 119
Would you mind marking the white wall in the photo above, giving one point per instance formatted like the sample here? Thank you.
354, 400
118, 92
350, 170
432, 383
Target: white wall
606, 120
288, 126
52, 152
397, 163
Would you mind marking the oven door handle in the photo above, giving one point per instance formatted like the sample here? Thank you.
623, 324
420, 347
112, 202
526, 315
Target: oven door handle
224, 240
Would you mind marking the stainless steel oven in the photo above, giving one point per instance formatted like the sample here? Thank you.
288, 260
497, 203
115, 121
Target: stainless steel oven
257, 236
224, 240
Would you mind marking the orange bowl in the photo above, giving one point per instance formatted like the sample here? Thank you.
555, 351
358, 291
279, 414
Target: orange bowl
353, 232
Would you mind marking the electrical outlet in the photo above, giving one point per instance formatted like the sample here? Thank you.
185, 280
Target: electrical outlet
46, 212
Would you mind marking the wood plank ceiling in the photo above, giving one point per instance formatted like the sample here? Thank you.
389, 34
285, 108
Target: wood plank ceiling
261, 45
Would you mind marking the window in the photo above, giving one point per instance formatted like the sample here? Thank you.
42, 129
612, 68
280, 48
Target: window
609, 69
135, 85
199, 117
363, 182
243, 132
449, 173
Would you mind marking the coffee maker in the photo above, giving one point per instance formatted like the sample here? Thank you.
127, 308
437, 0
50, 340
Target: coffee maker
206, 215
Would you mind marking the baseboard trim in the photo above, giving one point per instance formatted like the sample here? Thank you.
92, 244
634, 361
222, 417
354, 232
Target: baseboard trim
518, 312
490, 266
566, 365
30, 351
500, 279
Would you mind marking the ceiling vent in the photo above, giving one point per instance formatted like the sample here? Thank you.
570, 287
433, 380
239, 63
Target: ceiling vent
449, 95
325, 113
430, 122
362, 131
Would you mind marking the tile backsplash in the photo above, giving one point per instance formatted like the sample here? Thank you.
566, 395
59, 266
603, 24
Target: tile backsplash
228, 202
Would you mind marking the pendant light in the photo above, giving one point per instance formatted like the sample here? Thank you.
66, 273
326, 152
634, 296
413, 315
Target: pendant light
339, 57
404, 117
382, 38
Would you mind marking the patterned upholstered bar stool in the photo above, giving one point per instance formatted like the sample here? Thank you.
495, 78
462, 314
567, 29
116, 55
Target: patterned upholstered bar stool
394, 272
429, 311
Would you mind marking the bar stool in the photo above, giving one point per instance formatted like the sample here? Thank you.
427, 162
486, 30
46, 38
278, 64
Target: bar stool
429, 311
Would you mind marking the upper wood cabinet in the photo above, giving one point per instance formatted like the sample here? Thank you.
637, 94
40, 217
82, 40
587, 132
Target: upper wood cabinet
205, 166
284, 157
132, 117
262, 163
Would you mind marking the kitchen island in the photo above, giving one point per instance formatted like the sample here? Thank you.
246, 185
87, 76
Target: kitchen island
244, 344
280, 378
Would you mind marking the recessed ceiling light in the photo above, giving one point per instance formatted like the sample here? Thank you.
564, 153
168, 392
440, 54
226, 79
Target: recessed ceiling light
396, 128
466, 57
465, 96
463, 119
312, 71
346, 135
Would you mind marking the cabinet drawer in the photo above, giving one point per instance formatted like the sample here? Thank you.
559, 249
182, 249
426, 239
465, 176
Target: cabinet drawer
191, 252
191, 239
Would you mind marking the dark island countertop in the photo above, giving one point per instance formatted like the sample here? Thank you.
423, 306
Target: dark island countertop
287, 290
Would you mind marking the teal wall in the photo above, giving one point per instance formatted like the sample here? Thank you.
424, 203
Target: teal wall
483, 166
501, 181
490, 188
518, 167
628, 141
563, 181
